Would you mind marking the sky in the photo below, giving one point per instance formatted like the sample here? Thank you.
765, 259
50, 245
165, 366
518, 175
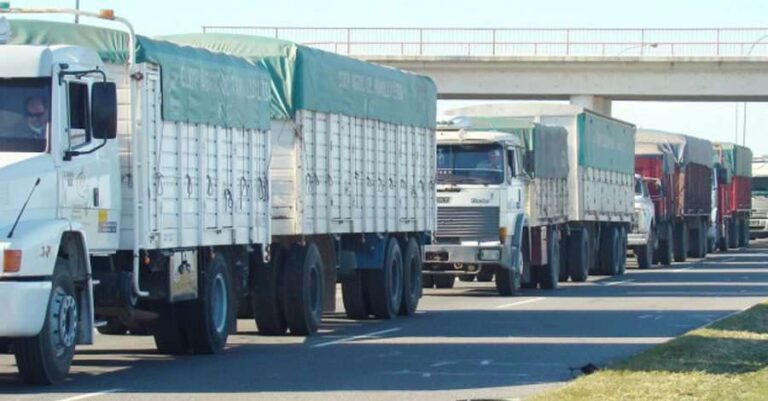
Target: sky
714, 121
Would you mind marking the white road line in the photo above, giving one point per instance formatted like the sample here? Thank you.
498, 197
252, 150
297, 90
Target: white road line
683, 269
612, 283
527, 301
441, 364
92, 395
354, 338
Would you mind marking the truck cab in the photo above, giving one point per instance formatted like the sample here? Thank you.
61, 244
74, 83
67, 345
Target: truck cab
481, 182
642, 240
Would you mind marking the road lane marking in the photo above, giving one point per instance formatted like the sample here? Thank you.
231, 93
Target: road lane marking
441, 364
683, 269
358, 337
612, 283
92, 395
518, 303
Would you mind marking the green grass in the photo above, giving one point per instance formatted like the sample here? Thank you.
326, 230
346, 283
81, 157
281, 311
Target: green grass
727, 360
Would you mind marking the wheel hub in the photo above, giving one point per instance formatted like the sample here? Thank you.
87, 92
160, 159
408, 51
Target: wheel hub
64, 319
219, 303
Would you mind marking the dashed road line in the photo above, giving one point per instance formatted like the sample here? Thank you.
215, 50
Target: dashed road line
92, 395
518, 303
355, 338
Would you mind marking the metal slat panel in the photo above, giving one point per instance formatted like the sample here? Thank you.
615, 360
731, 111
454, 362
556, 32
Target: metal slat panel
468, 223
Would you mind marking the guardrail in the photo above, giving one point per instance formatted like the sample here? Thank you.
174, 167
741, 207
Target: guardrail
547, 42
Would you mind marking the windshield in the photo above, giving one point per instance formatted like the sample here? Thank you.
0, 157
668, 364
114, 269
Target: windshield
638, 187
24, 114
470, 164
760, 186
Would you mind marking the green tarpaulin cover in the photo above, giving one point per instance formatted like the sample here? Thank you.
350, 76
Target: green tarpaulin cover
605, 143
734, 159
547, 145
198, 86
304, 78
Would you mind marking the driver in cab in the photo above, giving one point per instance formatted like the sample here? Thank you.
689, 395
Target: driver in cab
494, 161
36, 118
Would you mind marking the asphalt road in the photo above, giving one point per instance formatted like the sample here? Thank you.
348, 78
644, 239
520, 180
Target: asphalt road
465, 343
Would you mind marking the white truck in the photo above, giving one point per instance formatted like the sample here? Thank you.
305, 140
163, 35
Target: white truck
758, 222
501, 203
599, 192
642, 238
147, 192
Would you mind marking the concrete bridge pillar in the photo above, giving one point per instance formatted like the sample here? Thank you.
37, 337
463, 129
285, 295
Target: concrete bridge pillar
597, 104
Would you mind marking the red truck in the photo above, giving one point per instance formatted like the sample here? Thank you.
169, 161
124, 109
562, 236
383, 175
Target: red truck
678, 171
733, 164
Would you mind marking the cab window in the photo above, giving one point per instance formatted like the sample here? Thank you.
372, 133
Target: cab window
512, 163
79, 133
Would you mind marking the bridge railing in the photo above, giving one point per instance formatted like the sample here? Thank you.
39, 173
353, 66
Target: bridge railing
536, 42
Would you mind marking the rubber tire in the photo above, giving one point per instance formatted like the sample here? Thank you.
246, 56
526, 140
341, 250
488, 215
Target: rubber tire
722, 243
733, 239
609, 245
384, 286
36, 361
444, 281
743, 233
204, 337
411, 278
698, 245
485, 275
508, 280
244, 308
621, 251
114, 327
549, 275
427, 281
680, 242
169, 332
353, 296
578, 256
666, 247
467, 278
303, 304
564, 271
266, 300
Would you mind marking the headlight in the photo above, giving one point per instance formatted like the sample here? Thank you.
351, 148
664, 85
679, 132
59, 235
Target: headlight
490, 254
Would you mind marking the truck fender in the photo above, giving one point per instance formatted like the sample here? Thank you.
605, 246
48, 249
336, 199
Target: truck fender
516, 242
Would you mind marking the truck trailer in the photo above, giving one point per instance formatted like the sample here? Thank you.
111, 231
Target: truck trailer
502, 203
679, 171
352, 178
733, 166
599, 190
148, 195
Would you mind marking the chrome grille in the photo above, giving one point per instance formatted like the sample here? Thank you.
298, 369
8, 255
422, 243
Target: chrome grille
468, 223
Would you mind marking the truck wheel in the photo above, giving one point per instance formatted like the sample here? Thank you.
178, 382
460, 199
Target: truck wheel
743, 233
549, 275
508, 280
666, 246
411, 278
722, 243
46, 358
209, 318
385, 286
168, 330
733, 234
444, 281
427, 281
114, 327
266, 299
644, 253
244, 309
578, 256
609, 246
485, 275
467, 278
564, 271
698, 245
303, 290
681, 242
352, 288
621, 252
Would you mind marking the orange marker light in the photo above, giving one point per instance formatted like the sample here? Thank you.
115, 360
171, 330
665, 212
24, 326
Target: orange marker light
107, 13
11, 261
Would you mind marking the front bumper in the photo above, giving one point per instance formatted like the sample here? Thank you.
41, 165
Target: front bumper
477, 255
637, 239
758, 226
24, 306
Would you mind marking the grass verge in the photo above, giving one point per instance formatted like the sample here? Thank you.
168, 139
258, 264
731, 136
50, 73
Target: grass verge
727, 360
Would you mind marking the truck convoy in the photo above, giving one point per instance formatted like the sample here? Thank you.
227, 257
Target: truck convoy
678, 171
758, 223
156, 188
733, 166
565, 228
502, 203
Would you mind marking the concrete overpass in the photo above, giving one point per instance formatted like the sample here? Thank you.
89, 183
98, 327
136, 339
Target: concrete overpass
589, 67
591, 81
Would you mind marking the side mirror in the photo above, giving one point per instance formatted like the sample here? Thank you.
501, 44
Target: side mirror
104, 110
